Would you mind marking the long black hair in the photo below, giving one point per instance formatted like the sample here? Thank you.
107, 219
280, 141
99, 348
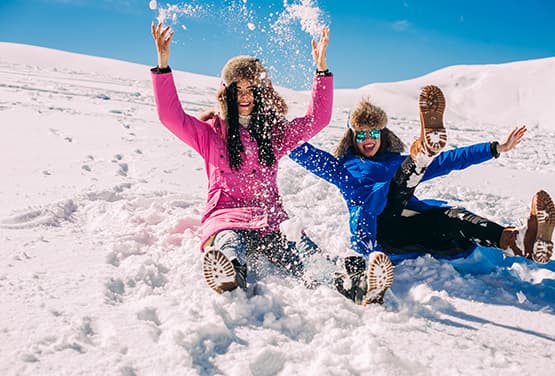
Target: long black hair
263, 118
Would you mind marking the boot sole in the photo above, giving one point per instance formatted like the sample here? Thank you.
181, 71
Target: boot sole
218, 271
379, 277
432, 106
544, 210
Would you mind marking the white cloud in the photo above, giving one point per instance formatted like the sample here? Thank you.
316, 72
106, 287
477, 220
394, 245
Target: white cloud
401, 25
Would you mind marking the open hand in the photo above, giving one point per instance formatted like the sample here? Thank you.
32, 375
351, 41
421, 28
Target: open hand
319, 49
162, 36
512, 140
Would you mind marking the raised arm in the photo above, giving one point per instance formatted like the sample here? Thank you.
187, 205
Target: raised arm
162, 37
170, 112
461, 158
322, 164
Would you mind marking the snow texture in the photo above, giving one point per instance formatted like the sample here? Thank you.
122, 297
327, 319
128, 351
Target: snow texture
100, 208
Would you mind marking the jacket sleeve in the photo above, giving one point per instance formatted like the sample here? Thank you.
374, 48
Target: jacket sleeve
322, 164
189, 129
458, 159
317, 116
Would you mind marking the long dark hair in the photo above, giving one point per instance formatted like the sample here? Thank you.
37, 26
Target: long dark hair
234, 144
263, 119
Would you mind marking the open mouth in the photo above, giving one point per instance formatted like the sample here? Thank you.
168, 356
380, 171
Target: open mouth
368, 148
244, 104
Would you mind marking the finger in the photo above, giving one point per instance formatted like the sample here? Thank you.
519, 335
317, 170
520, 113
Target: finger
165, 32
322, 34
169, 38
513, 133
158, 28
519, 132
153, 30
326, 39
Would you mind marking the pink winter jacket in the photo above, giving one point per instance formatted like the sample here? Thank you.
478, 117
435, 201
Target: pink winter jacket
247, 199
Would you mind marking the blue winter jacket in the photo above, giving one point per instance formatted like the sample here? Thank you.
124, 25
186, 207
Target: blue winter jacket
364, 183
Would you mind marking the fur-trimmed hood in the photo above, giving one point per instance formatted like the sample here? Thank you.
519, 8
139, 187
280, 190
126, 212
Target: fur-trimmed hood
249, 68
245, 67
366, 114
391, 142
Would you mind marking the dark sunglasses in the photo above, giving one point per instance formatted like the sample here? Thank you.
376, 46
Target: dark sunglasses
360, 136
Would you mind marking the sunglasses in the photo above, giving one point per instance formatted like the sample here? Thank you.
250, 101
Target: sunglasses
360, 136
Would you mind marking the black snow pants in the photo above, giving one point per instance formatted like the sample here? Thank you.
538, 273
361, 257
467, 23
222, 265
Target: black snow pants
440, 231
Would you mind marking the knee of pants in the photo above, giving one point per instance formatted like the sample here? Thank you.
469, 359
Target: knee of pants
232, 244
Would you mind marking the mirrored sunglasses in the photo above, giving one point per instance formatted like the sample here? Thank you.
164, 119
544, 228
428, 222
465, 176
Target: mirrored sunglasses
360, 136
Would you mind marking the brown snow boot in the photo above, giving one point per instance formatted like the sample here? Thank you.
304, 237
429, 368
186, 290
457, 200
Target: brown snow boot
221, 273
538, 239
433, 136
508, 242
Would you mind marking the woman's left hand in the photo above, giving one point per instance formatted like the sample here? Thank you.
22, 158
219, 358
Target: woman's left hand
513, 139
319, 49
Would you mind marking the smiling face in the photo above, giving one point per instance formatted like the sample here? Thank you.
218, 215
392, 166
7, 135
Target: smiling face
370, 146
245, 97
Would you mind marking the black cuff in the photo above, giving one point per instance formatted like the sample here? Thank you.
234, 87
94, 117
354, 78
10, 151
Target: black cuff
493, 148
323, 73
157, 70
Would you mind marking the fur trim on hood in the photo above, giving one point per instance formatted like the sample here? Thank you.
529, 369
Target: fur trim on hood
391, 142
244, 67
367, 114
249, 68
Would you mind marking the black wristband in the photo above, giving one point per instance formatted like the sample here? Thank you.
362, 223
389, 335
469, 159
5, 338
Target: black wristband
158, 70
493, 148
323, 72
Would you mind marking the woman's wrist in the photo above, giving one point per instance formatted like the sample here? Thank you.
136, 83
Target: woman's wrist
158, 70
163, 62
324, 72
494, 148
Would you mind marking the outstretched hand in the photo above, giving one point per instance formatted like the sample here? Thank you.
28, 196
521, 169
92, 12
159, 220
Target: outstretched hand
512, 140
162, 36
319, 49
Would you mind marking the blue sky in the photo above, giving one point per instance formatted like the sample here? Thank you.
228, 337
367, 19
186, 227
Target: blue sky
371, 40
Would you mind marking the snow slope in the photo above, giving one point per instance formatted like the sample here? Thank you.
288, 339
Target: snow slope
100, 206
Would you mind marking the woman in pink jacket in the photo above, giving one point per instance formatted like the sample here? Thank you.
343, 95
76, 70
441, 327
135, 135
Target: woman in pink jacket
241, 146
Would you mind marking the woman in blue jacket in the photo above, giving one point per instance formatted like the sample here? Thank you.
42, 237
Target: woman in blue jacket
378, 182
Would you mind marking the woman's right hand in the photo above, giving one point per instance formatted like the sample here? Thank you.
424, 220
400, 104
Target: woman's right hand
162, 36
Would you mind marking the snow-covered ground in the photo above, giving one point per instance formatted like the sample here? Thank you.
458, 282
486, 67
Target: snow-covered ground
99, 210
